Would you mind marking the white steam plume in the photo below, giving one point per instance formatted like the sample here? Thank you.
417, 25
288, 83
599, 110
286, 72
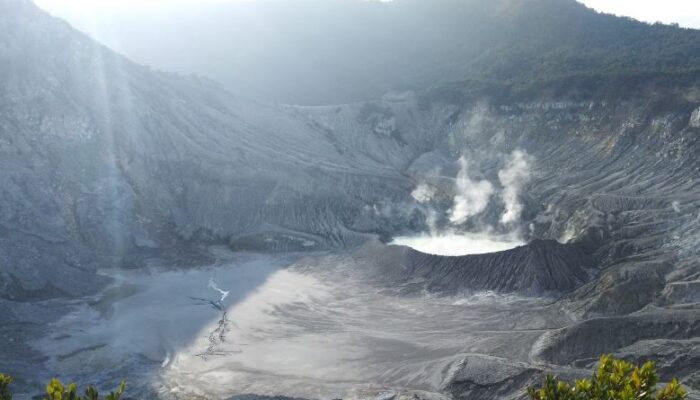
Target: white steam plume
513, 177
472, 197
423, 193
431, 221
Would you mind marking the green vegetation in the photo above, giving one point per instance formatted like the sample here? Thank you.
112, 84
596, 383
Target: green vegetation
520, 50
522, 43
614, 380
55, 390
5, 382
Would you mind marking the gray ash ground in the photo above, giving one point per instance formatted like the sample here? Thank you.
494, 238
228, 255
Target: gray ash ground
285, 329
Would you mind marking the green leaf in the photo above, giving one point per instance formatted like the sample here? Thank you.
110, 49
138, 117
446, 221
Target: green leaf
613, 380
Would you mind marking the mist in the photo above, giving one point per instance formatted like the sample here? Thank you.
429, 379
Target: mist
466, 232
513, 177
460, 243
299, 52
472, 196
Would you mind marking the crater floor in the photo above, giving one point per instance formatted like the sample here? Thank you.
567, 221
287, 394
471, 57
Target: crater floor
263, 324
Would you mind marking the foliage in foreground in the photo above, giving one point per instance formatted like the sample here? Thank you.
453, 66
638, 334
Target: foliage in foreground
5, 387
614, 380
55, 390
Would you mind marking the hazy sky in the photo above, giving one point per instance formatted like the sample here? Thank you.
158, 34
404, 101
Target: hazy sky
684, 12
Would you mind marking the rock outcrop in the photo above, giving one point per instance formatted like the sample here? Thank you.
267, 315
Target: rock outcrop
540, 268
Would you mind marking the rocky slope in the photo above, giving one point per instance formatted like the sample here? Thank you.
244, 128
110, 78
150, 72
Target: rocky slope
104, 159
105, 163
540, 268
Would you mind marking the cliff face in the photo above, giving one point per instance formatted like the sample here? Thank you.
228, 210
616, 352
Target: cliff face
105, 160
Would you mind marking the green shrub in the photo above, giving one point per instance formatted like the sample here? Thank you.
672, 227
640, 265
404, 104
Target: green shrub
613, 380
55, 390
5, 387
